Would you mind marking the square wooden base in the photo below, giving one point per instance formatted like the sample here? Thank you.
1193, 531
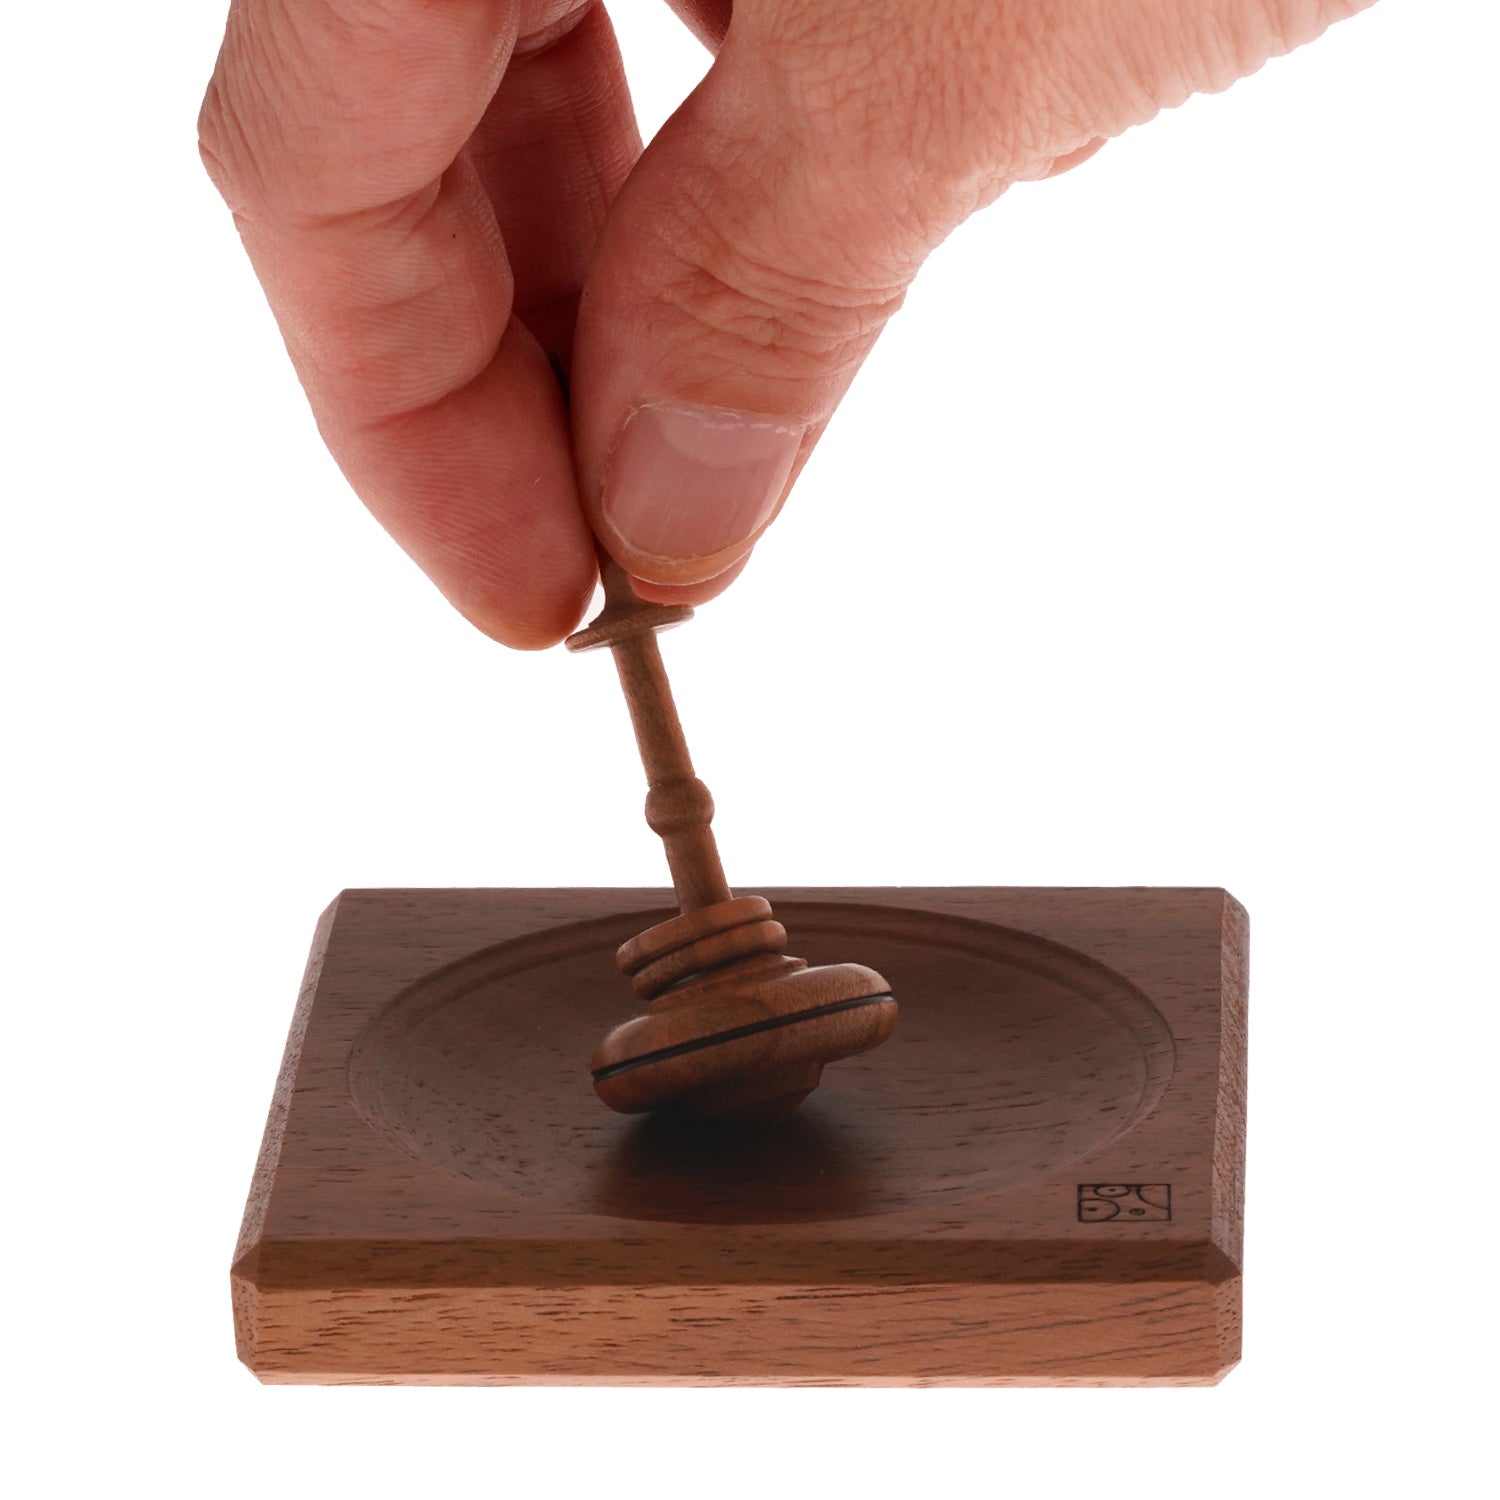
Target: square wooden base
1037, 1181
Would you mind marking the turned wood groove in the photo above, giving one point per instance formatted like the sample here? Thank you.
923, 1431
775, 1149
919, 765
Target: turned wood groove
738, 1029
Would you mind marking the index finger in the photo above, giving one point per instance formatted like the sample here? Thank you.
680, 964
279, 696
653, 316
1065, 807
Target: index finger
335, 131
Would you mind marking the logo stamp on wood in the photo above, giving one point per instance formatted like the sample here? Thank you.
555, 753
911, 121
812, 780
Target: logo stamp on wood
1141, 1202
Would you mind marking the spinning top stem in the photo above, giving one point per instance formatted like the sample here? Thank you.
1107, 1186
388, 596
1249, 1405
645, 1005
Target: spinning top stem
678, 806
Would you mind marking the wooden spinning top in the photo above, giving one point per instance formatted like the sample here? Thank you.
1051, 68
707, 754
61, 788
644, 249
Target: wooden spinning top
735, 1028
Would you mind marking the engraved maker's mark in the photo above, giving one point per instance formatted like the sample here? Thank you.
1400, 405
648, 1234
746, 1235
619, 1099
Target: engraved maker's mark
1127, 1202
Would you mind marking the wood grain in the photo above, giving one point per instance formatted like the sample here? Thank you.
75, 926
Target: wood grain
440, 1199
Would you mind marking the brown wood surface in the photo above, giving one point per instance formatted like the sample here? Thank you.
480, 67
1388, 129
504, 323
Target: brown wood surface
440, 1198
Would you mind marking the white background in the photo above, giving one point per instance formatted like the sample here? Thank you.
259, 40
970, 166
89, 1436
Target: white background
1154, 546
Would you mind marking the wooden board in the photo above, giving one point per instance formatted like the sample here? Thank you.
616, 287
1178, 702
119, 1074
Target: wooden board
1038, 1180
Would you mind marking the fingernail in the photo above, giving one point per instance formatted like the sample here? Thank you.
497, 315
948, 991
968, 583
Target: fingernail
691, 481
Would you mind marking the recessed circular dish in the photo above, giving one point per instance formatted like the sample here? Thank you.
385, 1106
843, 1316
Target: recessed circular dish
1012, 1057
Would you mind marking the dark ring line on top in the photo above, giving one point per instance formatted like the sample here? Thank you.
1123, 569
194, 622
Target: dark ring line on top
773, 1023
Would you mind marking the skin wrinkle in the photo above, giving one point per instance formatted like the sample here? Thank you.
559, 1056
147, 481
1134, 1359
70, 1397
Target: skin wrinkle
1137, 50
397, 215
872, 235
873, 240
456, 543
541, 39
759, 303
807, 340
1039, 108
225, 142
558, 114
365, 336
913, 125
851, 101
845, 31
220, 142
403, 415
1068, 115
307, 122
1225, 53
581, 114
273, 55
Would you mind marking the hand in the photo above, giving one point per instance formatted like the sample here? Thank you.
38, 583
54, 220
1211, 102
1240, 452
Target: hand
447, 204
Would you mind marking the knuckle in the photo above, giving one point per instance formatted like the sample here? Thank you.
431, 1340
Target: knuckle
953, 100
789, 311
223, 145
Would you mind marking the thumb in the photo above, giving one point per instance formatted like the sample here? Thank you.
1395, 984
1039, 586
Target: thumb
744, 272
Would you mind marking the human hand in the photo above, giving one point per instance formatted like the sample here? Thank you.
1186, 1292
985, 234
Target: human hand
447, 203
